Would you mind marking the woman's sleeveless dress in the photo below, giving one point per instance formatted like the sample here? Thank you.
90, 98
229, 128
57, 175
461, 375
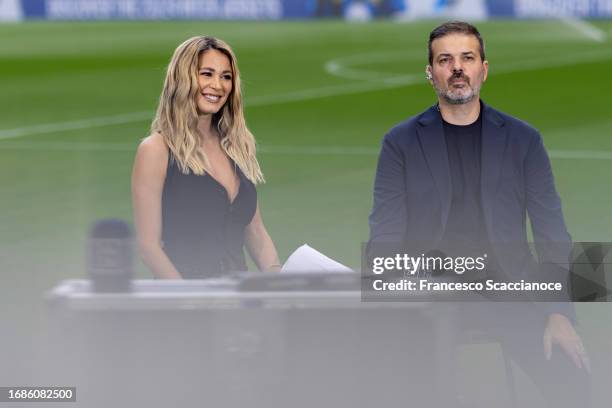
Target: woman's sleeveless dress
202, 232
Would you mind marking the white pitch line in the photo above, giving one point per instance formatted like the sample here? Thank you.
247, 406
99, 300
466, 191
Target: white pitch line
341, 67
584, 28
383, 82
580, 154
369, 151
324, 92
74, 125
319, 150
68, 146
265, 100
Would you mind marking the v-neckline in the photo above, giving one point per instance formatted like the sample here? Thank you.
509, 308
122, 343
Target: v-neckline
227, 193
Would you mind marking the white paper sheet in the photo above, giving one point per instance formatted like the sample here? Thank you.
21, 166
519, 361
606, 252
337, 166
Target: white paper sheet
308, 259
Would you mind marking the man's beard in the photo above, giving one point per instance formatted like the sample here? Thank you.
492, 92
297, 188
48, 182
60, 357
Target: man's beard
457, 99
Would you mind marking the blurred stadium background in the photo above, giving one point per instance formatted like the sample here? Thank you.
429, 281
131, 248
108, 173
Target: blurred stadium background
77, 96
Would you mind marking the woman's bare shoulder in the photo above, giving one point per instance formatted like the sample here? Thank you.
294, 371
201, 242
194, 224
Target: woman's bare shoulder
153, 149
153, 145
152, 155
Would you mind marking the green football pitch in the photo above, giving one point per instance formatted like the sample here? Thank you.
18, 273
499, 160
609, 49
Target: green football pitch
76, 99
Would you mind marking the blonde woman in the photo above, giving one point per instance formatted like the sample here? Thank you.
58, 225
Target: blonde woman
194, 177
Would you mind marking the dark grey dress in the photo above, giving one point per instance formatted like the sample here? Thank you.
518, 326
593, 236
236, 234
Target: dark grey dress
202, 231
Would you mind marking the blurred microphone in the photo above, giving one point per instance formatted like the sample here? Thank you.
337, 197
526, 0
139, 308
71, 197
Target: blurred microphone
436, 253
110, 256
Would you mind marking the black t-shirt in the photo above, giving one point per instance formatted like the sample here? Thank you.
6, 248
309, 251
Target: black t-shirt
465, 229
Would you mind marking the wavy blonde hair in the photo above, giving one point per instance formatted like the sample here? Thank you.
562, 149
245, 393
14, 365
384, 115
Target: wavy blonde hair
177, 114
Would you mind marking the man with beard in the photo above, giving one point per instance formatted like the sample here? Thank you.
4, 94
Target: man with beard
464, 175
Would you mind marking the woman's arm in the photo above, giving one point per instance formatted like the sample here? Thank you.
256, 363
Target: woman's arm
148, 178
260, 245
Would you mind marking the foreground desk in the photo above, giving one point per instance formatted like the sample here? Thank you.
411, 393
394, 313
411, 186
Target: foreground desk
203, 343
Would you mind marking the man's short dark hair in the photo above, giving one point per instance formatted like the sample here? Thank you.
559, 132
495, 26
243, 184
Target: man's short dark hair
455, 27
